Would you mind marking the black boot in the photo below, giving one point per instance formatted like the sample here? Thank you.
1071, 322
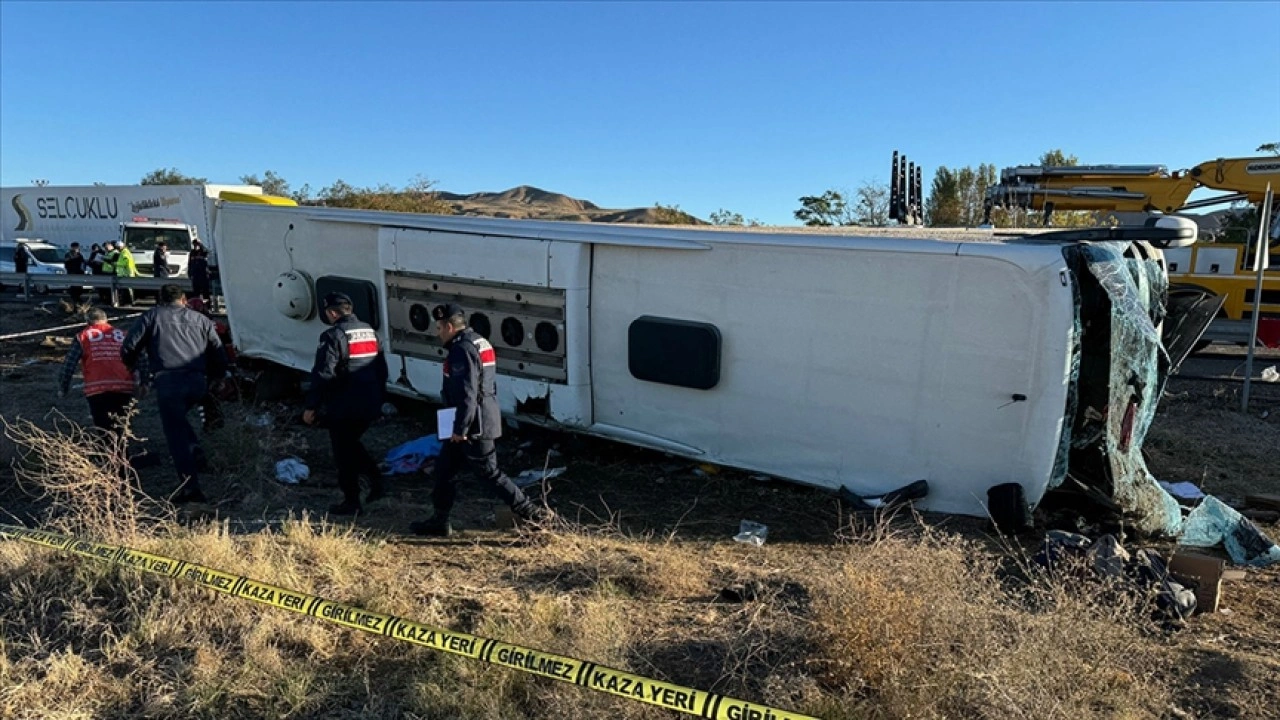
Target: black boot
188, 492
434, 526
535, 514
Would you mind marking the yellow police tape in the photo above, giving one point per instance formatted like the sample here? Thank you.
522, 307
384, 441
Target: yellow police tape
559, 667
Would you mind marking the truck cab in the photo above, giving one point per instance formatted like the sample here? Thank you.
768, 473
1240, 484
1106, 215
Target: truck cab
142, 234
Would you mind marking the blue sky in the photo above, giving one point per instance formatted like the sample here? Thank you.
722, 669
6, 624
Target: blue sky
739, 105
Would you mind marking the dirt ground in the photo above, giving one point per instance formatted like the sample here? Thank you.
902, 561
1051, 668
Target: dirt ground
1231, 659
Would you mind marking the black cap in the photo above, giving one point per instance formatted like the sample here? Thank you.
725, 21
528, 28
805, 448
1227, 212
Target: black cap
446, 311
334, 299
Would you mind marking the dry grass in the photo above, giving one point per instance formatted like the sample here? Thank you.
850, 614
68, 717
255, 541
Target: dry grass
83, 473
932, 625
911, 623
892, 620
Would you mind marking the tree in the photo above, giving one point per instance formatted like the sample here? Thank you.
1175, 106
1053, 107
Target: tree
872, 204
1273, 148
271, 183
829, 208
672, 215
417, 197
957, 197
724, 217
170, 176
1058, 158
727, 218
943, 206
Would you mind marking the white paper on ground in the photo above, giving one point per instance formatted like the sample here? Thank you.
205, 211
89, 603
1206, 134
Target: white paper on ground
444, 423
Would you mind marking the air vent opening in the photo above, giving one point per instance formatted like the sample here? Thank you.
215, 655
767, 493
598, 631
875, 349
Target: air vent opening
480, 323
513, 332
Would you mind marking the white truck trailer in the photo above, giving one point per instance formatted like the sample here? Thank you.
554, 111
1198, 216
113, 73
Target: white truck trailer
844, 362
138, 215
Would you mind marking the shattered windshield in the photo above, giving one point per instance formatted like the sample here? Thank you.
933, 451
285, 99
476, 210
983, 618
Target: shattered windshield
1138, 366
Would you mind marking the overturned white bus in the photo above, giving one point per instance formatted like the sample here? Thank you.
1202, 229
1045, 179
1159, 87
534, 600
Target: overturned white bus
839, 361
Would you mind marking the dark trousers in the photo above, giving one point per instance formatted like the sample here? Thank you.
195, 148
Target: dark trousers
351, 457
104, 294
483, 458
108, 409
211, 410
176, 394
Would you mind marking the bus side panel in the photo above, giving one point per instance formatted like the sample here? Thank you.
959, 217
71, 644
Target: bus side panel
869, 369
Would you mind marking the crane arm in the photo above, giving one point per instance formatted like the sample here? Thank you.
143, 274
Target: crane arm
1130, 188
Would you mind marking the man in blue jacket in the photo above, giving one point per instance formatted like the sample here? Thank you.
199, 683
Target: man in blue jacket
470, 387
347, 382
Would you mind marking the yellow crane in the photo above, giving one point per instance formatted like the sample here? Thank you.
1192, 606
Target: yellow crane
1223, 269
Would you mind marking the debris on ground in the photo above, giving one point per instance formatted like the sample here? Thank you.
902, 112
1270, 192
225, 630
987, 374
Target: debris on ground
412, 456
292, 471
1201, 573
260, 420
1271, 374
1073, 555
1183, 490
535, 476
752, 533
389, 410
1214, 523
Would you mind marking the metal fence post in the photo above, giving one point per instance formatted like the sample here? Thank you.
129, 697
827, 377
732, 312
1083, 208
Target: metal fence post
1260, 262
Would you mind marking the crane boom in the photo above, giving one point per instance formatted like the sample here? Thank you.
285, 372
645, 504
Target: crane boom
1130, 188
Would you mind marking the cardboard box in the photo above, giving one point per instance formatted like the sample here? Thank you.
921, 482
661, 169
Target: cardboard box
1201, 573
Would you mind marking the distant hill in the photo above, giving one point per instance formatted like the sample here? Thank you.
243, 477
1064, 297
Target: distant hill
527, 202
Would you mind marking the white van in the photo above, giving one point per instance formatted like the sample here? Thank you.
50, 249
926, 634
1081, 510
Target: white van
45, 259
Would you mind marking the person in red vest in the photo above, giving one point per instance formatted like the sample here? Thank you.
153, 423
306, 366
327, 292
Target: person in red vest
108, 384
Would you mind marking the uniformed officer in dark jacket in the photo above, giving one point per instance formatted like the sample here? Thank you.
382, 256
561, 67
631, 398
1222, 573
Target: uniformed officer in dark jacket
470, 387
160, 260
184, 351
347, 382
